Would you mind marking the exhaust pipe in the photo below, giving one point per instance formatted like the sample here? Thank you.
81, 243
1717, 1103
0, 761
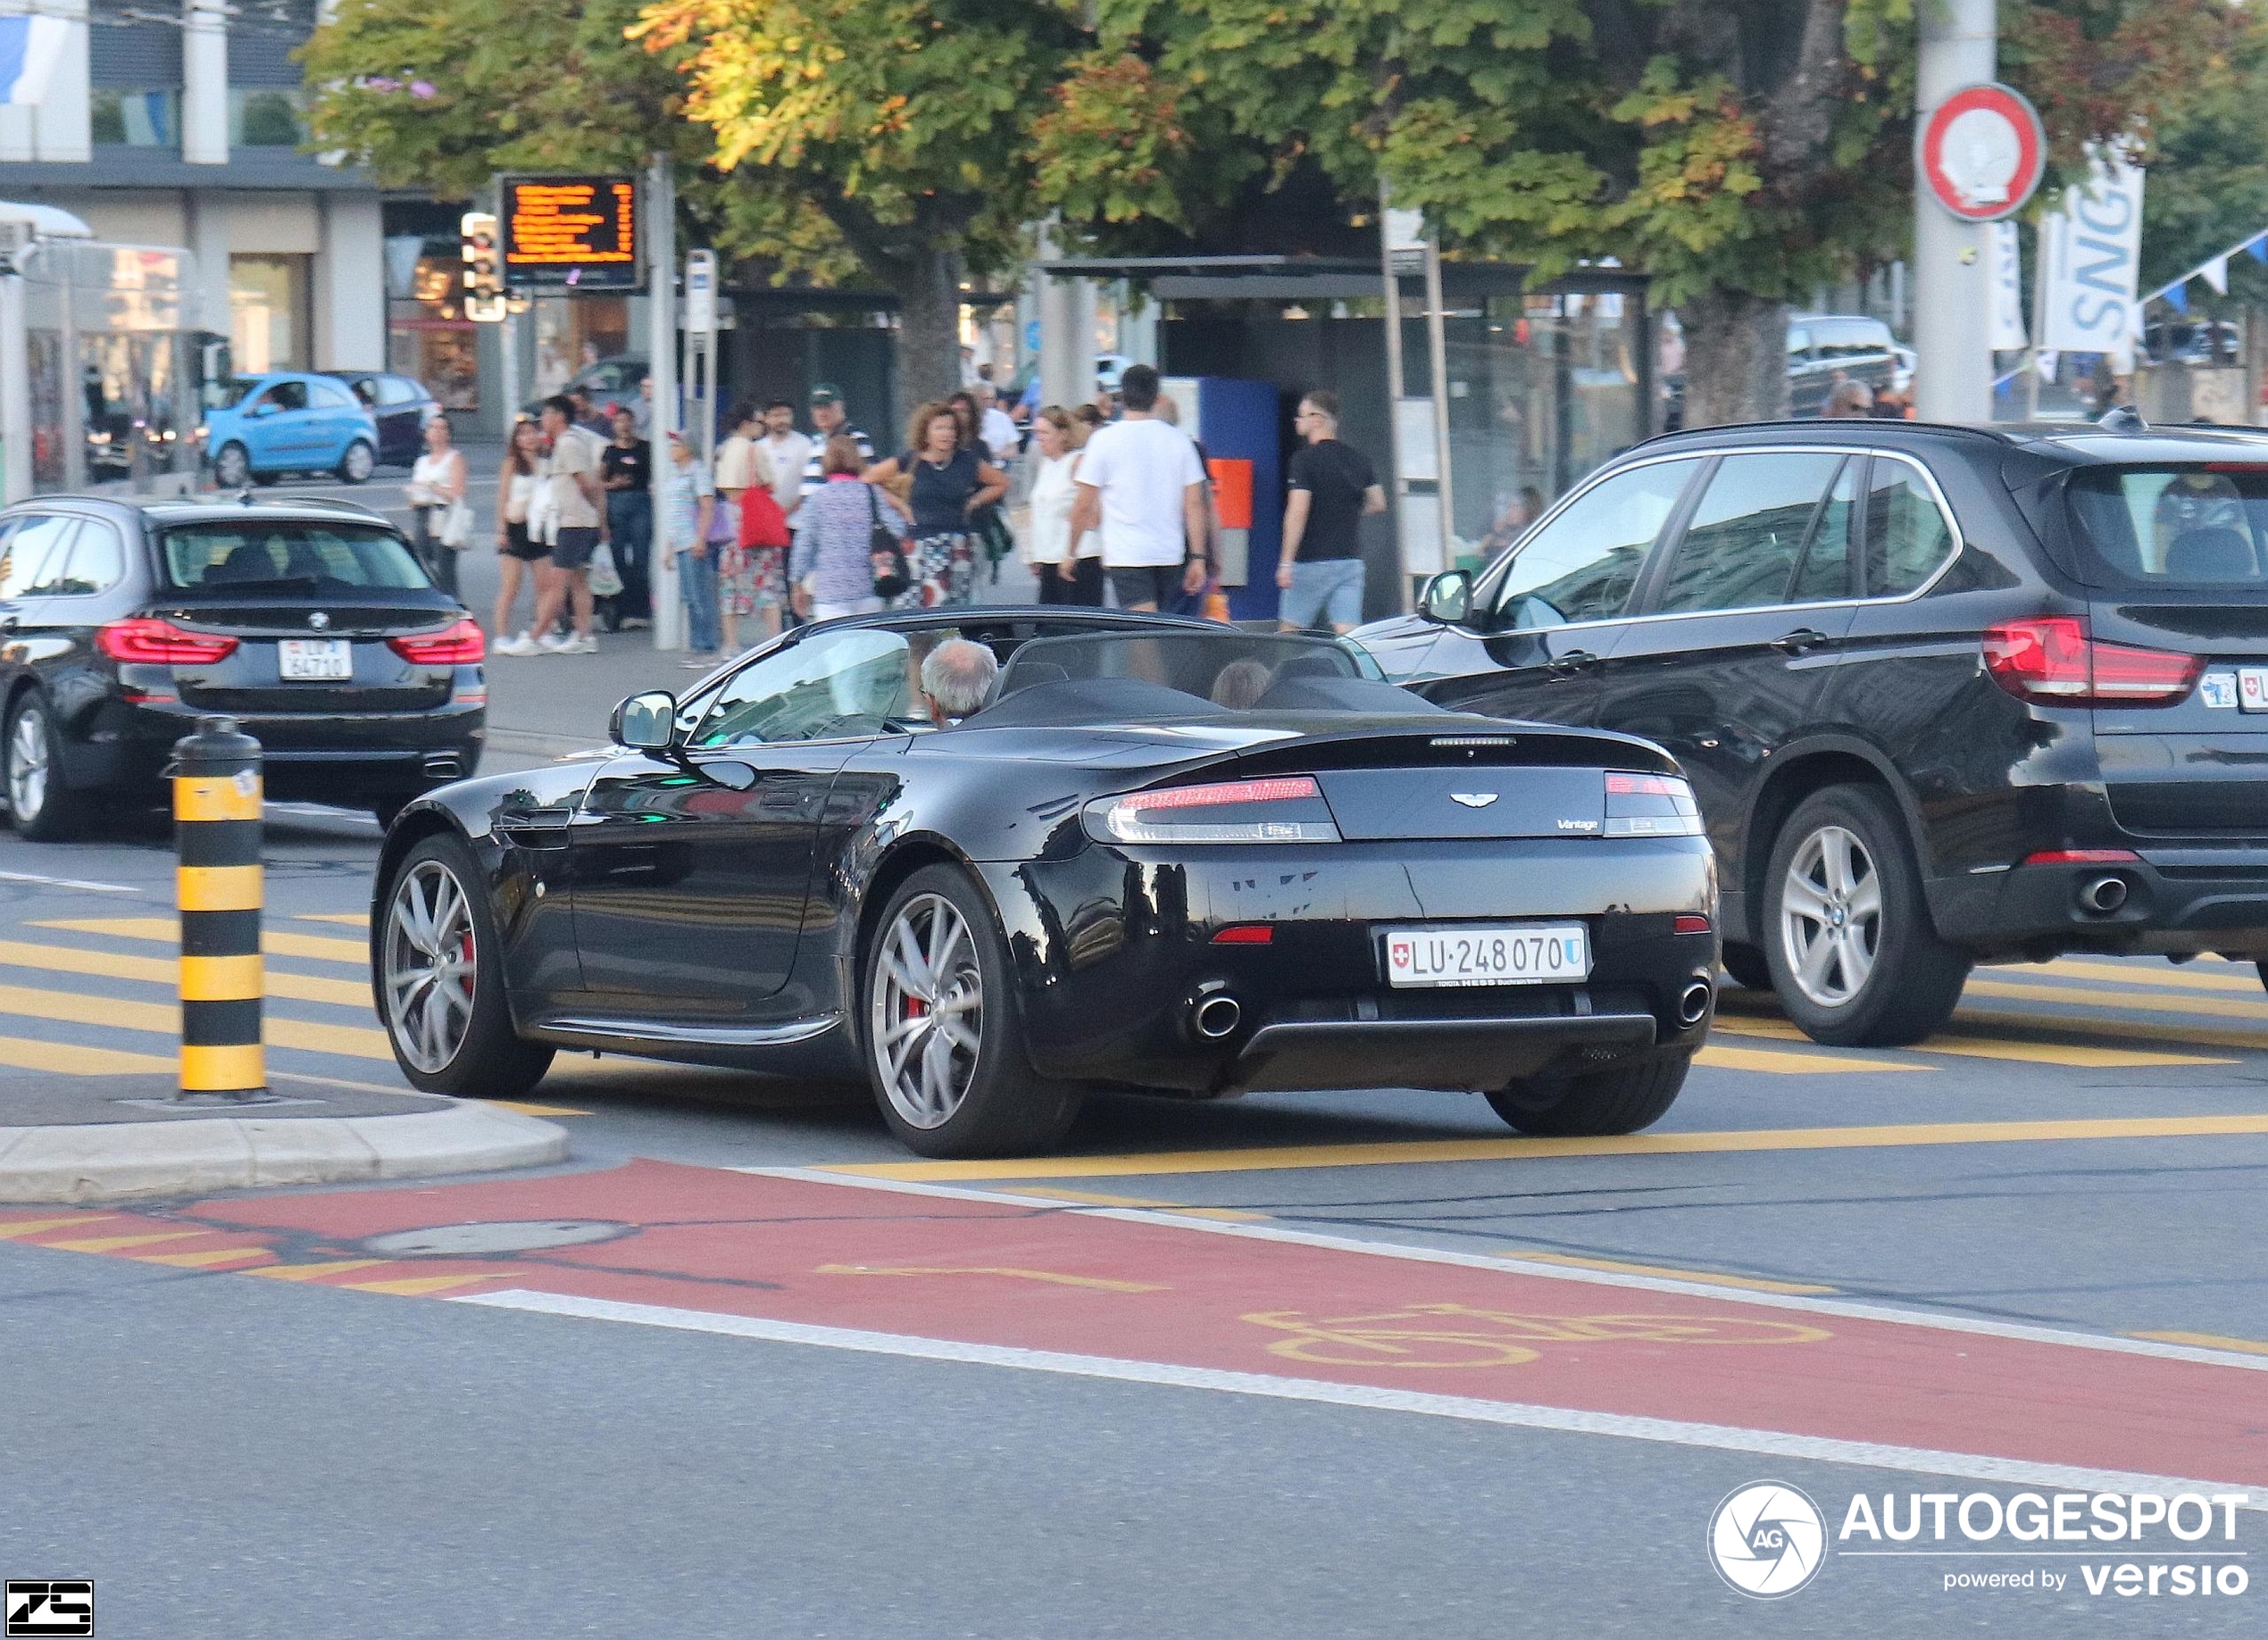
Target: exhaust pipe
2103, 894
1216, 1016
1693, 1005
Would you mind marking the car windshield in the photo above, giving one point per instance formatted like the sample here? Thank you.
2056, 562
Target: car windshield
265, 552
2174, 527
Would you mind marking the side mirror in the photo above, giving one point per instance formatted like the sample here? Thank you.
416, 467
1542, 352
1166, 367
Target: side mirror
1447, 598
645, 722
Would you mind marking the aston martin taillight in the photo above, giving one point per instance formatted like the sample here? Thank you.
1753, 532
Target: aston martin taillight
1650, 805
1283, 809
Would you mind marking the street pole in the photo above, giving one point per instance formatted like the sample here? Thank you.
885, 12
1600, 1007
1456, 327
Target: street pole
1952, 273
1436, 350
661, 369
1399, 487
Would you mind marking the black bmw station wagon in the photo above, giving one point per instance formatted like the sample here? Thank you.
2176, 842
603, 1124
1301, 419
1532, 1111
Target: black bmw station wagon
1944, 694
311, 622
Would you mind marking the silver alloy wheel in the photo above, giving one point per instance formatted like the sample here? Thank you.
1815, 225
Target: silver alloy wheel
27, 765
928, 1010
232, 467
432, 966
1830, 916
359, 463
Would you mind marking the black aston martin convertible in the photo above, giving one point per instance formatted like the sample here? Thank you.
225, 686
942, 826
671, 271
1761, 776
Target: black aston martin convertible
1162, 856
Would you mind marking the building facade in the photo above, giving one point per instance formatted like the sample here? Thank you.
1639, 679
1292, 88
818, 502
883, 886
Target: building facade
187, 133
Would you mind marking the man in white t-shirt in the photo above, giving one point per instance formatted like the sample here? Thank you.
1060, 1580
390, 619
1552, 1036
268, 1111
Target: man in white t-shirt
787, 450
996, 426
1141, 487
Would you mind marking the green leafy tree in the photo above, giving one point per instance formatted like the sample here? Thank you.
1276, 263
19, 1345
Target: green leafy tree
1741, 155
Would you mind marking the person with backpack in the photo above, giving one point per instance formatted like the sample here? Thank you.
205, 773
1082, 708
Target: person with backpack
1332, 489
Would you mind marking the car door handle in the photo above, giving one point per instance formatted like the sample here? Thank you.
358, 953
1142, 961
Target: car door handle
1574, 663
1803, 640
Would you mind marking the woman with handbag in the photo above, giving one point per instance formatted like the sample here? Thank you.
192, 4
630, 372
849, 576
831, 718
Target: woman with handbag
951, 482
842, 531
437, 500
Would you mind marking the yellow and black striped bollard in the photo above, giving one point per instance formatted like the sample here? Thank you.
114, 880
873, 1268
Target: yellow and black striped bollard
216, 832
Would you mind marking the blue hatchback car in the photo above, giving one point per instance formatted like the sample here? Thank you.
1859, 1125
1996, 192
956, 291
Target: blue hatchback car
258, 428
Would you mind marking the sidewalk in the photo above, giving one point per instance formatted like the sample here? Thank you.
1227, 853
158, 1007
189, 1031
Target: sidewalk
119, 1137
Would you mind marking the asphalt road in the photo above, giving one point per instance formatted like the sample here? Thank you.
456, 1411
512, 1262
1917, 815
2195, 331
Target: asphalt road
1293, 1365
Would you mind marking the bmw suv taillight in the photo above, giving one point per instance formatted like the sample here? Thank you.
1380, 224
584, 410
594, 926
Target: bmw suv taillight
1285, 809
2053, 660
146, 641
460, 645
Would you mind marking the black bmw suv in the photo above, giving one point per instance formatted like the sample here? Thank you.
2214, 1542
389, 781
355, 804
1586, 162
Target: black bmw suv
1946, 694
310, 622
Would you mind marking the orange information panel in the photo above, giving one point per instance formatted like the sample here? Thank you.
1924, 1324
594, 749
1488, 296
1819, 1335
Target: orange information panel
1232, 491
580, 232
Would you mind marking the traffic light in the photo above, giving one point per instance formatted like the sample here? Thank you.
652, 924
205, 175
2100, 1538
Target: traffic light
484, 291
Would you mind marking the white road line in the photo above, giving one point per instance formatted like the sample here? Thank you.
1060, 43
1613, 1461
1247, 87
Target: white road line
1721, 1438
1553, 1272
67, 882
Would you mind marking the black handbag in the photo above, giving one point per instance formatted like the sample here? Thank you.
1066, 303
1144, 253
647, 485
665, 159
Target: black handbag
892, 574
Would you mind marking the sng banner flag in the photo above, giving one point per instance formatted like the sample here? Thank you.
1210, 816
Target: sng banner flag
2007, 291
29, 47
2094, 251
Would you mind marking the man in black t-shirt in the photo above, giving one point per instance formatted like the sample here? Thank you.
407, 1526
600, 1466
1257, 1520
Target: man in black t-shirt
1332, 489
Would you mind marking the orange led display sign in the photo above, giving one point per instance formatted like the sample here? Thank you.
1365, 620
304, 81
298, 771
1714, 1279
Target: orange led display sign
579, 232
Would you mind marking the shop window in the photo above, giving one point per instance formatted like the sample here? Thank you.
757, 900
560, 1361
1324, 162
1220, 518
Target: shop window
268, 311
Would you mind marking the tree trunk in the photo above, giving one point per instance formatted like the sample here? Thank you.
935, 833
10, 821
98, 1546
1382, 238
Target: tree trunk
1736, 357
929, 330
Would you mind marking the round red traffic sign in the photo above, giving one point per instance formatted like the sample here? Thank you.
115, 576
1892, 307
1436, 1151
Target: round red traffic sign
1982, 153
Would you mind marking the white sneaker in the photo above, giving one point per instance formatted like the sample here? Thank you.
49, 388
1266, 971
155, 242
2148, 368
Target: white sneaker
552, 643
581, 644
521, 645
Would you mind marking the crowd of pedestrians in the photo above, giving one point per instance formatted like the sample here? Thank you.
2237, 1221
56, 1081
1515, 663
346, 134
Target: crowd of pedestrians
788, 525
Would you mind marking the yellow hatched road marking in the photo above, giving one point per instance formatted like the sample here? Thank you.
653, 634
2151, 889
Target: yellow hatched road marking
353, 919
2139, 1030
112, 1244
206, 1259
1395, 1153
161, 970
2204, 977
414, 1285
2207, 1341
1718, 1056
165, 931
527, 1109
2219, 1007
63, 1060
1991, 1047
1754, 1284
309, 1272
11, 1229
165, 1019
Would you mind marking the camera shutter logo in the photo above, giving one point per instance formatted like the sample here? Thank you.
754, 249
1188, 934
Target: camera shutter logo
1767, 1540
49, 1607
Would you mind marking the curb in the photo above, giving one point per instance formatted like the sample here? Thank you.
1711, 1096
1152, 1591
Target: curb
115, 1160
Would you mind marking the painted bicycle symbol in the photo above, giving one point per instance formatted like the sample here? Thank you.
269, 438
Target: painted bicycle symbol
1424, 1335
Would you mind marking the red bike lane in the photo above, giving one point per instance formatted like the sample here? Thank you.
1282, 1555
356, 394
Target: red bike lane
1037, 1277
